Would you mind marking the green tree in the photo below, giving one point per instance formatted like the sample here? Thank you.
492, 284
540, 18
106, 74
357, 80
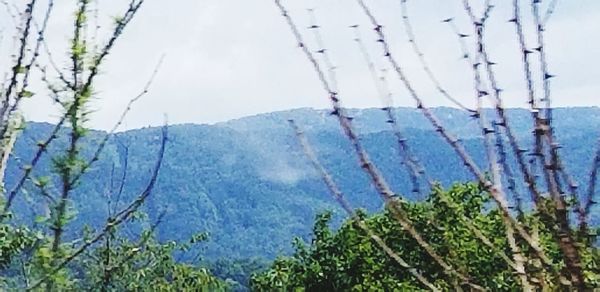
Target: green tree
44, 256
348, 260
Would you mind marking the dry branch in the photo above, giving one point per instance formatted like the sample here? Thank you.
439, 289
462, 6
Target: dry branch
340, 198
116, 126
591, 192
373, 172
117, 219
410, 161
497, 193
421, 56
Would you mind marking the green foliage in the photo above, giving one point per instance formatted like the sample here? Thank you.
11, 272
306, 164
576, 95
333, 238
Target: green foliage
99, 253
13, 241
222, 188
348, 260
237, 273
231, 186
122, 265
116, 264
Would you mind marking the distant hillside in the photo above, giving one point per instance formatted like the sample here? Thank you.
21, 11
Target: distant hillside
247, 183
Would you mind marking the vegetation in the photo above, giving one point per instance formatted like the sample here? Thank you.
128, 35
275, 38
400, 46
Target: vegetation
553, 190
118, 264
234, 192
43, 255
347, 259
79, 208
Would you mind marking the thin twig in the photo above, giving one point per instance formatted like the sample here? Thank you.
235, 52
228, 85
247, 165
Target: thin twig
110, 269
497, 194
119, 122
116, 220
41, 149
421, 56
378, 181
591, 192
322, 50
549, 11
504, 122
18, 66
411, 162
123, 175
494, 167
22, 93
340, 198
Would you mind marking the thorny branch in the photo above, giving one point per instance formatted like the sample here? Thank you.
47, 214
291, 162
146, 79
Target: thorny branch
421, 56
591, 192
365, 162
411, 162
115, 220
497, 193
18, 66
340, 198
415, 165
119, 122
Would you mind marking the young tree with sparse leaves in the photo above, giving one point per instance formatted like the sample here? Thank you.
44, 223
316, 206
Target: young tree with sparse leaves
43, 256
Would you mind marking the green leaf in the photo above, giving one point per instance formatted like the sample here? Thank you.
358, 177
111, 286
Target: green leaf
19, 69
40, 219
26, 94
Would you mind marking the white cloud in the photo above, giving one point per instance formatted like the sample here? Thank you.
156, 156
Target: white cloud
230, 58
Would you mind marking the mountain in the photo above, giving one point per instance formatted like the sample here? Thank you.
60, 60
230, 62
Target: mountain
247, 183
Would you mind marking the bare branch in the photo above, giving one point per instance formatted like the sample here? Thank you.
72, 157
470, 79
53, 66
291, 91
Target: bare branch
322, 50
508, 173
529, 179
41, 149
340, 198
519, 259
6, 147
110, 269
114, 221
421, 56
497, 194
411, 162
134, 6
18, 66
116, 126
549, 11
378, 181
591, 192
123, 176
26, 70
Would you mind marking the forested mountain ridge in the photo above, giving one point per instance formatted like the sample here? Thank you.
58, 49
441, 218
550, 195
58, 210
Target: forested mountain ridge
248, 185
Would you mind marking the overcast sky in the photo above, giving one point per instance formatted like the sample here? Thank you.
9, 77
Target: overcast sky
232, 58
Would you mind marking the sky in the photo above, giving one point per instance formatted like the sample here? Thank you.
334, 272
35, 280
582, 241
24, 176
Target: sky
225, 59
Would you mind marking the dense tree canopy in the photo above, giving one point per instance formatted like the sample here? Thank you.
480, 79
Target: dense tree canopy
347, 259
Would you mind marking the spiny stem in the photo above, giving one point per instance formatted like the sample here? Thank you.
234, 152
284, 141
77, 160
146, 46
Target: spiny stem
115, 221
340, 198
411, 162
496, 193
421, 56
378, 181
591, 192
